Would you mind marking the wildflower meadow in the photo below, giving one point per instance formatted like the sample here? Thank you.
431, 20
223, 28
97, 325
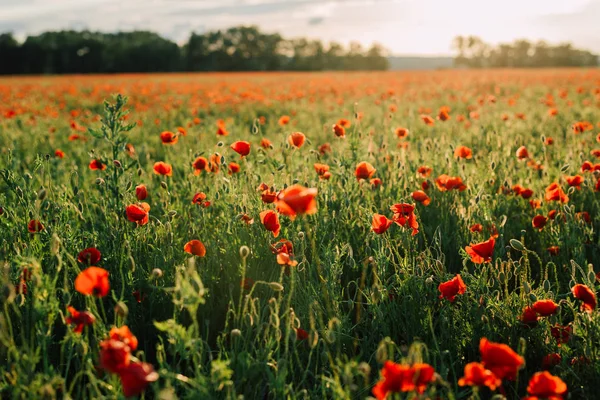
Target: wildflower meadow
341, 235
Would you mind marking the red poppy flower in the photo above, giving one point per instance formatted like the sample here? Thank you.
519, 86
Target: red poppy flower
344, 122
301, 334
266, 143
168, 138
115, 355
35, 226
586, 295
322, 170
398, 378
539, 221
242, 148
555, 193
545, 308
375, 182
562, 334
404, 216
339, 130
427, 119
233, 168
553, 250
141, 192
443, 114
138, 213
421, 197
424, 171
445, 183
575, 181
551, 360
526, 193
451, 288
200, 165
522, 153
199, 198
476, 375
89, 256
195, 247
135, 377
476, 228
296, 200
124, 335
364, 170
283, 120
97, 165
162, 168
79, 318
324, 149
529, 316
544, 385
296, 139
93, 280
500, 359
270, 221
59, 153
463, 152
481, 252
401, 132
380, 223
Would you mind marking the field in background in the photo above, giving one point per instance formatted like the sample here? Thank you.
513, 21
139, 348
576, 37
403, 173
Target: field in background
310, 299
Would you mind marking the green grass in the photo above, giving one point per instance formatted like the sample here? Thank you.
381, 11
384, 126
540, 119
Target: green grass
363, 298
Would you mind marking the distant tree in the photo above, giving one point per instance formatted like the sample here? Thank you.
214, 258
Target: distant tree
473, 52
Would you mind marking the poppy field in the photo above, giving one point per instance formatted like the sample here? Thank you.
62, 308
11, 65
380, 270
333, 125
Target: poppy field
428, 235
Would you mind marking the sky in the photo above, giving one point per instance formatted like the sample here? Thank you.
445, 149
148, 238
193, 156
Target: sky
404, 27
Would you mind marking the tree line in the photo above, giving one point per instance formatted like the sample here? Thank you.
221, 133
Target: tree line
243, 48
475, 53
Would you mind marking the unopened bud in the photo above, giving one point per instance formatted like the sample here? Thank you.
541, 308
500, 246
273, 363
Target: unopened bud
236, 333
117, 163
276, 286
42, 194
99, 181
164, 185
121, 309
244, 252
157, 273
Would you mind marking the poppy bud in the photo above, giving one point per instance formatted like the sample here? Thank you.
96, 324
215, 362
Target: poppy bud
220, 144
517, 245
99, 181
157, 273
546, 285
532, 297
300, 235
236, 333
140, 171
526, 288
42, 194
429, 280
172, 213
164, 185
54, 244
117, 163
121, 309
244, 252
276, 286
493, 165
128, 186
